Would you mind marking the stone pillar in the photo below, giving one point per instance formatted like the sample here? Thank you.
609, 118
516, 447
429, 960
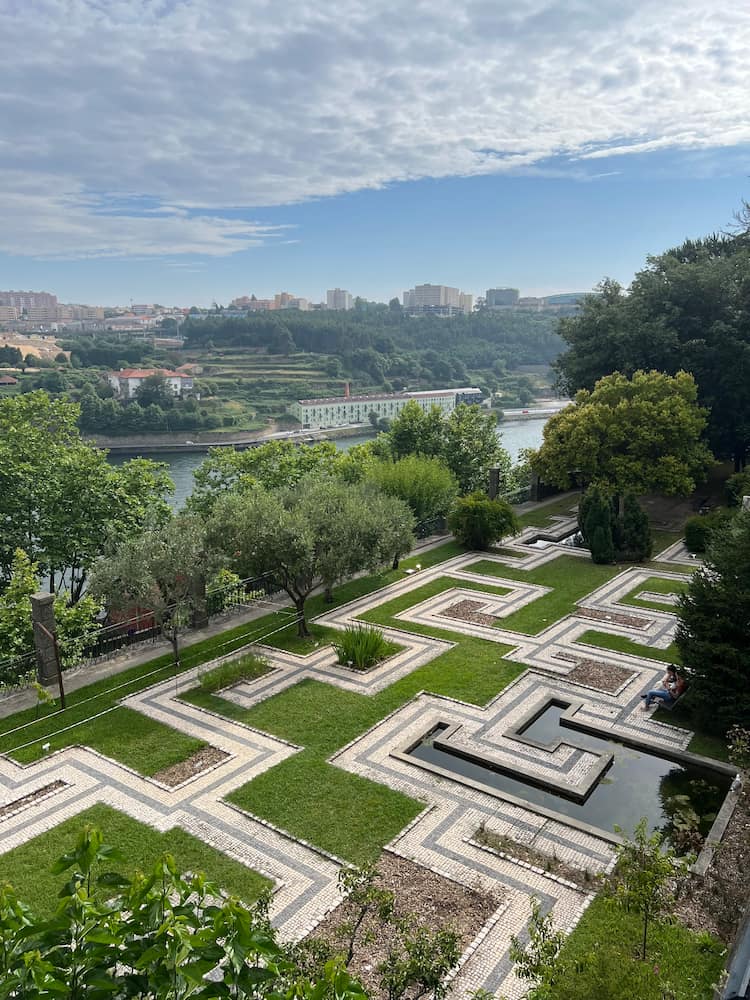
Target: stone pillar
43, 613
494, 488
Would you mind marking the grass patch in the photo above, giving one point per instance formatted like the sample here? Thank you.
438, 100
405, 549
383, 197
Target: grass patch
246, 668
570, 579
622, 644
658, 585
540, 515
662, 539
133, 739
27, 867
39, 725
700, 743
600, 959
340, 812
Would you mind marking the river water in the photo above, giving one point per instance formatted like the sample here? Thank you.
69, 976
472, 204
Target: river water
514, 435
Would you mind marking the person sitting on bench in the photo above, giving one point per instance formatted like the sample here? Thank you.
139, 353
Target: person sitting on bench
673, 686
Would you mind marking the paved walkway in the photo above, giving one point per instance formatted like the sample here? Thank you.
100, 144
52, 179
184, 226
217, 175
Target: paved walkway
443, 837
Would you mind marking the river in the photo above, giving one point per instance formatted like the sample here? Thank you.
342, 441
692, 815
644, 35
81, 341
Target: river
514, 434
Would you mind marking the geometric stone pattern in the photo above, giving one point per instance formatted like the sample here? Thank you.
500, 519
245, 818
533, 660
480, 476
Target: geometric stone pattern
441, 837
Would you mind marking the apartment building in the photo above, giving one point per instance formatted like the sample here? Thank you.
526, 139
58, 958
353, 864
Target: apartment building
338, 298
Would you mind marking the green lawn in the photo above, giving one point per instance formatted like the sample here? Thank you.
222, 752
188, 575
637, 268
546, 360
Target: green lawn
657, 585
125, 735
622, 644
662, 539
700, 743
570, 578
340, 812
27, 867
563, 507
106, 734
600, 959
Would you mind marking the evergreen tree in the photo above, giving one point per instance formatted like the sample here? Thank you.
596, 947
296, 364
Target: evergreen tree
595, 523
712, 634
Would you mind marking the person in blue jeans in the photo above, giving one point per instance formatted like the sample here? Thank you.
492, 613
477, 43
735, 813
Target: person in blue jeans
672, 687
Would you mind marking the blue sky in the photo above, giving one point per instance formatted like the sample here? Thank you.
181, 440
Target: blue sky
190, 152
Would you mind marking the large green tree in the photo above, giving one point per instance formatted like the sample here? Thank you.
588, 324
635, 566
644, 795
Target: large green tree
311, 538
61, 502
162, 570
688, 309
466, 440
274, 465
713, 629
639, 435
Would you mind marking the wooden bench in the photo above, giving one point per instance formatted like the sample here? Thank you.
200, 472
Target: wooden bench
668, 706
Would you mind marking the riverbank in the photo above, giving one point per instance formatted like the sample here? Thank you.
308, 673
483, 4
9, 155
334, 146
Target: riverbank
187, 442
174, 444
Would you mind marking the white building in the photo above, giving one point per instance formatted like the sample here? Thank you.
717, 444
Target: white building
127, 380
341, 411
338, 298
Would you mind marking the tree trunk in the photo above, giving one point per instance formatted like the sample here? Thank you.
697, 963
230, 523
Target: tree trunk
174, 640
396, 559
302, 630
645, 932
328, 595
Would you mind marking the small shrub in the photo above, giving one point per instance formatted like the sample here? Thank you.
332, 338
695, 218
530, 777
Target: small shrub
698, 530
477, 521
226, 674
361, 646
737, 487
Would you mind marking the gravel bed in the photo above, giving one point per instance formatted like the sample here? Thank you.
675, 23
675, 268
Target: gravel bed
632, 621
436, 901
600, 675
9, 808
201, 760
468, 611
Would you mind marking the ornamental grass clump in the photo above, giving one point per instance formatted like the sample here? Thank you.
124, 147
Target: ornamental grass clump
361, 647
246, 668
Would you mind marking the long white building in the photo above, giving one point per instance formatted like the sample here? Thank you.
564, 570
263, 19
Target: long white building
341, 411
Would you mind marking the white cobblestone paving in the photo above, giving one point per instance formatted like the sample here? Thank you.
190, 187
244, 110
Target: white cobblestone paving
442, 836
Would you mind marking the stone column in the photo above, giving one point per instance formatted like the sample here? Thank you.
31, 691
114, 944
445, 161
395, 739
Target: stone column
494, 485
43, 613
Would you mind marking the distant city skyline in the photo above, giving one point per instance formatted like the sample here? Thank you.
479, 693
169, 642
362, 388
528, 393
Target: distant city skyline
191, 157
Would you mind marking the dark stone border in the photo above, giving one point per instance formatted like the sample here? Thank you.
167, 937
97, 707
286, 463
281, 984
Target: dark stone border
403, 753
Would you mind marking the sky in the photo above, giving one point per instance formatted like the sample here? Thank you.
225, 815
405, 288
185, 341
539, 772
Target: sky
189, 151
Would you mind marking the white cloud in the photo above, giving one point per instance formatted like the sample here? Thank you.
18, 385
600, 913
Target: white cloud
164, 107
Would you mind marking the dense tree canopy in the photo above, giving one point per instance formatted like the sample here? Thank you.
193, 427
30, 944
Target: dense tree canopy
466, 440
427, 485
60, 500
383, 342
163, 570
311, 538
713, 629
477, 521
273, 465
639, 434
689, 309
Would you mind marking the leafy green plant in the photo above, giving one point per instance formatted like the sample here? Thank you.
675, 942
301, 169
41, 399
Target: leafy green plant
226, 674
361, 646
477, 521
150, 936
644, 877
